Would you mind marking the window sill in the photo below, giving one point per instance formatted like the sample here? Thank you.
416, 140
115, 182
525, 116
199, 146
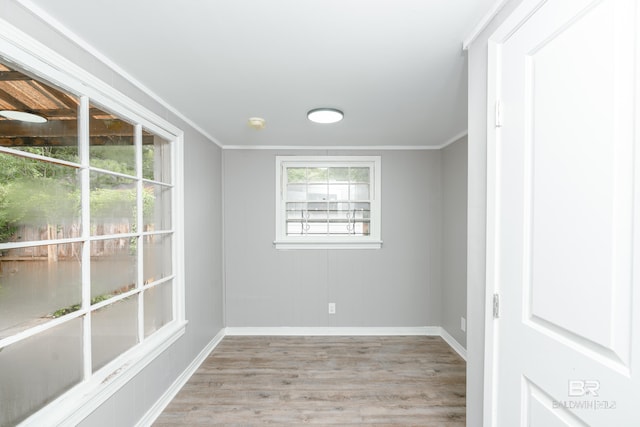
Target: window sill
79, 402
320, 244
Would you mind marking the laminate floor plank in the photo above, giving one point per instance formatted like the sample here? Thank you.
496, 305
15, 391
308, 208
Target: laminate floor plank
381, 381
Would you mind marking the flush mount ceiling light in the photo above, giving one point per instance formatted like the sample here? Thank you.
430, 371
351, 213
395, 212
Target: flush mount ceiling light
22, 116
325, 115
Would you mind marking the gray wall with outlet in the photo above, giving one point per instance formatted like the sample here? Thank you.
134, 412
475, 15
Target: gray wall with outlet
400, 285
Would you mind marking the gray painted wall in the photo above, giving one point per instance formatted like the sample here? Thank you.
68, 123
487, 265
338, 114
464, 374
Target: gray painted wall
398, 285
476, 225
203, 238
454, 238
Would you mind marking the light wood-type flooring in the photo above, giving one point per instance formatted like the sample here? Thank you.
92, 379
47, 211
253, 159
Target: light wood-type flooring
390, 380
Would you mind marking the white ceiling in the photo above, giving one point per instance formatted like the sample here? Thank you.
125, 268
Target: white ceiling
395, 67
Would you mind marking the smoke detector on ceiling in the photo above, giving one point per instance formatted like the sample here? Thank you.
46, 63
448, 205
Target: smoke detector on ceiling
257, 122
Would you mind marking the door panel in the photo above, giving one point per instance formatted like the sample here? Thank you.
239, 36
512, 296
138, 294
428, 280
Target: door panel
572, 228
540, 410
566, 189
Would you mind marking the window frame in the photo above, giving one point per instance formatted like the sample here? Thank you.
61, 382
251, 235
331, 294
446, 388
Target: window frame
371, 241
71, 407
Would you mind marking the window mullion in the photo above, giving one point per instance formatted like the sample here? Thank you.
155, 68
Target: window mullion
85, 203
139, 228
281, 227
177, 204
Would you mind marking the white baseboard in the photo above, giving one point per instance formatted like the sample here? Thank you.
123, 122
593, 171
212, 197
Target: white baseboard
455, 345
154, 412
333, 331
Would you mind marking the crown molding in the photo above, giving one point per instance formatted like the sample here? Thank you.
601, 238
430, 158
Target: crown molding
348, 147
484, 22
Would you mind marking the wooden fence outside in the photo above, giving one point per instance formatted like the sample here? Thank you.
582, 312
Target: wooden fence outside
26, 233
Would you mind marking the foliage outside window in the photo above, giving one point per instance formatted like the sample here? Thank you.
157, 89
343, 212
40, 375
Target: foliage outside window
327, 202
86, 242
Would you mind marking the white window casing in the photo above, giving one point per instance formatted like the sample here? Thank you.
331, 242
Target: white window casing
328, 202
97, 386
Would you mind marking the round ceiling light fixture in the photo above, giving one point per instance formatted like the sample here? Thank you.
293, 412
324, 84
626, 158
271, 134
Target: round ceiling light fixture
23, 116
325, 115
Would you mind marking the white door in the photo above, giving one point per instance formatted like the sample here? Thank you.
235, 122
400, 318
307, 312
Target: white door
566, 253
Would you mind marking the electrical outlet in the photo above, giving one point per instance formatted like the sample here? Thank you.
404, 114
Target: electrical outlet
463, 324
332, 308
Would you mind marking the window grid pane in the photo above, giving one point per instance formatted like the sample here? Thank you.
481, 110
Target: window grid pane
114, 330
157, 257
156, 158
38, 369
113, 268
158, 307
38, 200
328, 201
27, 272
113, 204
111, 144
156, 207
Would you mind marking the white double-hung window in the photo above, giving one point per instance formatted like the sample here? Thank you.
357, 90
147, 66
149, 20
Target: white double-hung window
328, 202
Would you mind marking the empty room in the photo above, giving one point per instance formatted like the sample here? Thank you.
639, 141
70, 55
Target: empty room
330, 212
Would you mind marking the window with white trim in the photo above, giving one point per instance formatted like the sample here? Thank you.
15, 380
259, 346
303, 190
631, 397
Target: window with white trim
88, 260
328, 202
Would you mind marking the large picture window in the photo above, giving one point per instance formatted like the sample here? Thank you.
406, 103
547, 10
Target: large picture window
327, 202
87, 241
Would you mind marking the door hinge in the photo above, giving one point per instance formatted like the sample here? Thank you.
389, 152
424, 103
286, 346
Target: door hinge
496, 306
498, 114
